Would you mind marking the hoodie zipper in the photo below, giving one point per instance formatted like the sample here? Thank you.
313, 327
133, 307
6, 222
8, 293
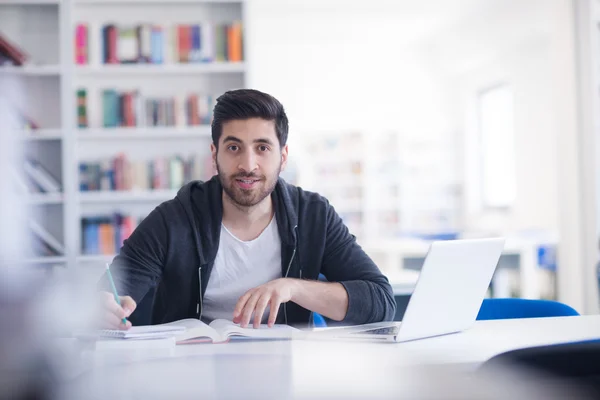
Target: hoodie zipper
199, 303
288, 269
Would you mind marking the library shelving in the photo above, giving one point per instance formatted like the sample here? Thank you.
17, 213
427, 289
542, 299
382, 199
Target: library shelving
79, 53
386, 184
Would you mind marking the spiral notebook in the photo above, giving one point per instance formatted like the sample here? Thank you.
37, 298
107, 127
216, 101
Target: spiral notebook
142, 332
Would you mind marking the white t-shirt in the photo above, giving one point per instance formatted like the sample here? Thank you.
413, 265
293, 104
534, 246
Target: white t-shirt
240, 266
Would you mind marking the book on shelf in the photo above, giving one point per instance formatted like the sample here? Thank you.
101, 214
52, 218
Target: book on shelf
122, 174
160, 44
132, 109
81, 44
82, 119
49, 244
22, 184
42, 179
105, 234
10, 53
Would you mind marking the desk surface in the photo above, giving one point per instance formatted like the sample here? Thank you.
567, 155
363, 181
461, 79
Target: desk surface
297, 368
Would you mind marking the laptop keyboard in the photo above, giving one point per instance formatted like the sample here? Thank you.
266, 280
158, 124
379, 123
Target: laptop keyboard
389, 330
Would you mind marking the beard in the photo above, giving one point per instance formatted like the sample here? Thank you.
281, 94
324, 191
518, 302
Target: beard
248, 197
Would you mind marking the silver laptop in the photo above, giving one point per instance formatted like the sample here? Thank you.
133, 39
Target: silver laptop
448, 294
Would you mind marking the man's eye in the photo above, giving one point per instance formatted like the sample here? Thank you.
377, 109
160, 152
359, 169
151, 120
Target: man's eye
263, 148
233, 147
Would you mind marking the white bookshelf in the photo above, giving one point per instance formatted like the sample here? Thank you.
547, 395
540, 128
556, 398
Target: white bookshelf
35, 26
45, 30
164, 80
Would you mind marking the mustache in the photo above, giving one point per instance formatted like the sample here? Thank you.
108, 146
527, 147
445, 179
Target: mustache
247, 176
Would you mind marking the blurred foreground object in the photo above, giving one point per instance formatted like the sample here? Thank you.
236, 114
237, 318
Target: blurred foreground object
24, 369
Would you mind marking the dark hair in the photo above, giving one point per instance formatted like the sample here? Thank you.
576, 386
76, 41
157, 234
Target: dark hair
248, 103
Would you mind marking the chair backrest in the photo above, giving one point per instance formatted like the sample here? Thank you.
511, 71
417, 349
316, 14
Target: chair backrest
510, 308
319, 321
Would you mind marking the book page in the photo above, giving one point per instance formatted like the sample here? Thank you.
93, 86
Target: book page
195, 331
279, 331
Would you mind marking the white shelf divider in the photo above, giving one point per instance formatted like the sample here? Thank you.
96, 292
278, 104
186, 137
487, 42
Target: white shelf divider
32, 70
41, 134
132, 196
161, 69
44, 198
95, 258
44, 260
113, 2
29, 2
190, 132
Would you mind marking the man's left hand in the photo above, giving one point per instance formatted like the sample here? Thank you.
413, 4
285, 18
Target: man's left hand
256, 300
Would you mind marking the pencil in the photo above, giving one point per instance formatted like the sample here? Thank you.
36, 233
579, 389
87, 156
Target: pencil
114, 289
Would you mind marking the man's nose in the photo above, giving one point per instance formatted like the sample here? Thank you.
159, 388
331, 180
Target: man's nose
248, 162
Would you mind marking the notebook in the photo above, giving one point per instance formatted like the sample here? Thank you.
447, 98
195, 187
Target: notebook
142, 332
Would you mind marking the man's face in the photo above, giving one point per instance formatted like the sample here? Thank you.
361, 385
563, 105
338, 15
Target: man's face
249, 160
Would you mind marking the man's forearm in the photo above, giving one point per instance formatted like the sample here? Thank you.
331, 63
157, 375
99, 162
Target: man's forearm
329, 299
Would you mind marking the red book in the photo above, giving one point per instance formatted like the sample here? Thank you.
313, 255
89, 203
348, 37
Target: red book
184, 42
12, 51
81, 39
112, 45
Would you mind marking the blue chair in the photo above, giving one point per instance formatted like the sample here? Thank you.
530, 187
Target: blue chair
511, 308
319, 321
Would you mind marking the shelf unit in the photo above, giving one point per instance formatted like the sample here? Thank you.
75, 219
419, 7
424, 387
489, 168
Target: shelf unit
38, 28
386, 184
45, 29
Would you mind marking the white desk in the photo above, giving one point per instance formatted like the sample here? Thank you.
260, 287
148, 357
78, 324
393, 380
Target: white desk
296, 369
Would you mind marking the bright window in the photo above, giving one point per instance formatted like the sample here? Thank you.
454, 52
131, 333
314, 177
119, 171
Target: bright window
497, 139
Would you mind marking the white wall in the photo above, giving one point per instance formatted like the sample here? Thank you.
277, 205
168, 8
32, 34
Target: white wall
529, 73
338, 65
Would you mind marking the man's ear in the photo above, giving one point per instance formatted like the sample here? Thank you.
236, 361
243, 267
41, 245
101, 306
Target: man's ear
213, 152
284, 157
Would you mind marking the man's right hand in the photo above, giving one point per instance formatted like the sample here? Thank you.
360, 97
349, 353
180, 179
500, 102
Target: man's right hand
114, 313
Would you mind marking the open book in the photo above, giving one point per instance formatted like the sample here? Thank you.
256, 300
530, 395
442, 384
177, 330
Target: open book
195, 331
221, 330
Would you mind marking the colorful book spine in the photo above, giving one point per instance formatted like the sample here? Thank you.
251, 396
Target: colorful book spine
105, 234
122, 174
81, 44
82, 120
131, 109
179, 43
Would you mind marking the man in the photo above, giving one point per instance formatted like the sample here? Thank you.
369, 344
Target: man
245, 245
